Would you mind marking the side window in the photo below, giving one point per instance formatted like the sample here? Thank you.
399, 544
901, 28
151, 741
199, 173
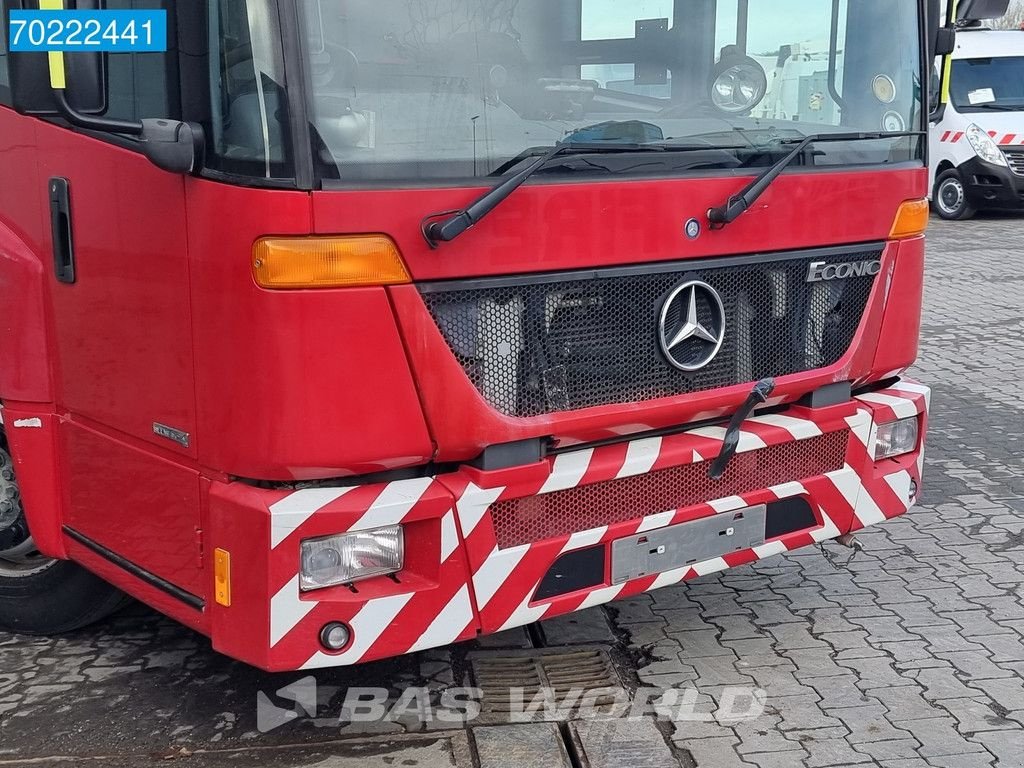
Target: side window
5, 75
140, 84
248, 127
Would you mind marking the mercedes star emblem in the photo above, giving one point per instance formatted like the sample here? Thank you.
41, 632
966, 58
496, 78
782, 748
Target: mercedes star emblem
692, 326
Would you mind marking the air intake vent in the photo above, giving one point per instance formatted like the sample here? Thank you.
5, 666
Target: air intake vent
551, 343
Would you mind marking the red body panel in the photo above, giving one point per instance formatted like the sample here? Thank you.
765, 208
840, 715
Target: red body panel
24, 342
153, 522
123, 330
292, 384
31, 432
551, 227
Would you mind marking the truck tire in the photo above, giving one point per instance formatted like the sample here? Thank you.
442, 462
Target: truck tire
40, 595
950, 197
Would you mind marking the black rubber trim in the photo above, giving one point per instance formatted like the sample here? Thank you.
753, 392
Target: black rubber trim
143, 575
572, 572
656, 268
788, 516
829, 395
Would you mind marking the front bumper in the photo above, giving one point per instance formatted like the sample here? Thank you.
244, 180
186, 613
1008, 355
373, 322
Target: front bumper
992, 187
482, 548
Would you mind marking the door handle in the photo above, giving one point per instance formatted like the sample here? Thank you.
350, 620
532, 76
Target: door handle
60, 224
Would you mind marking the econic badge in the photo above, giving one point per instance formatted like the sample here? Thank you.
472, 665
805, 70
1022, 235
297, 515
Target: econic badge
92, 31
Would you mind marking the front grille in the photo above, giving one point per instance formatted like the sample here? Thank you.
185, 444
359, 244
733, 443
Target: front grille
545, 344
537, 518
1016, 159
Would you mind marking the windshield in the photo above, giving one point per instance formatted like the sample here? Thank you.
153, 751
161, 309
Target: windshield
979, 85
416, 90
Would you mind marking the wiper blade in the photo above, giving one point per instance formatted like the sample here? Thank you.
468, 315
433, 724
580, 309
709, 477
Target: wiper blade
581, 148
737, 205
445, 227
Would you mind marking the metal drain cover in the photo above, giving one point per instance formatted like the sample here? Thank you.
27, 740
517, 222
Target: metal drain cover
560, 678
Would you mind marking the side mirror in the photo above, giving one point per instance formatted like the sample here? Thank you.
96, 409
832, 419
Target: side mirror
979, 10
172, 145
84, 84
945, 41
75, 88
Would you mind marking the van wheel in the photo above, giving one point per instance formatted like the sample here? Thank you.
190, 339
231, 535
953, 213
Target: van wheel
950, 197
40, 595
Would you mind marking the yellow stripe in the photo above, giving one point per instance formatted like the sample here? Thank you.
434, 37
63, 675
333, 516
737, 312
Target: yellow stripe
947, 62
58, 81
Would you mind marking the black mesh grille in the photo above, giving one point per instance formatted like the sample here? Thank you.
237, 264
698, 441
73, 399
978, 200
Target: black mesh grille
552, 344
1015, 156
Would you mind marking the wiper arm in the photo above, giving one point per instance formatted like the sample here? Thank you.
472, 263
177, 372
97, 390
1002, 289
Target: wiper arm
445, 227
737, 205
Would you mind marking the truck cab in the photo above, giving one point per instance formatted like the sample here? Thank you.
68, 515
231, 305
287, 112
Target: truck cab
339, 331
977, 160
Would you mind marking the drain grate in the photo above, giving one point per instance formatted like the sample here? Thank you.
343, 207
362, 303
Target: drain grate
549, 684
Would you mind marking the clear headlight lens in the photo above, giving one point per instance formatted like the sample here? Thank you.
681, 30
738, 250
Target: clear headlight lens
896, 438
342, 559
984, 146
740, 87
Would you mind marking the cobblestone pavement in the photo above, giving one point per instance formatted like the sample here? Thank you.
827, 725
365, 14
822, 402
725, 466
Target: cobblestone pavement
908, 654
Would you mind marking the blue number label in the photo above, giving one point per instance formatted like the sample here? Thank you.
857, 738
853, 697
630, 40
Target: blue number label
95, 31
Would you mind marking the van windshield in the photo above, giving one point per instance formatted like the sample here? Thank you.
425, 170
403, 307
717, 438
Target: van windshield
980, 85
416, 90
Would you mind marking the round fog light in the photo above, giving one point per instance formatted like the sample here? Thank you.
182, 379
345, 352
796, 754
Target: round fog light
335, 636
913, 491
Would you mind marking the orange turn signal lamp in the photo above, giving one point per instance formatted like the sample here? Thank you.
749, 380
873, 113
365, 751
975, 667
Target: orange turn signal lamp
288, 263
222, 577
911, 220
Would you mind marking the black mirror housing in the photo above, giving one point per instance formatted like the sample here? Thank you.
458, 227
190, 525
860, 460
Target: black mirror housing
172, 145
945, 41
980, 10
86, 88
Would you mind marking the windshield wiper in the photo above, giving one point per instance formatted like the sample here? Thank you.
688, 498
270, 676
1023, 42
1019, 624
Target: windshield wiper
737, 205
1000, 107
445, 227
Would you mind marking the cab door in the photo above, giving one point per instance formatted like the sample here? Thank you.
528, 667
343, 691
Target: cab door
122, 328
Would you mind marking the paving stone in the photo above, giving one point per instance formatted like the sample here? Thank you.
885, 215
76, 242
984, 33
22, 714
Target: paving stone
719, 752
892, 749
618, 743
974, 715
868, 723
831, 752
514, 746
939, 736
786, 759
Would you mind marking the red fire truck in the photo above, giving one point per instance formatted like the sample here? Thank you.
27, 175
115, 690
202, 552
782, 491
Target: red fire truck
341, 330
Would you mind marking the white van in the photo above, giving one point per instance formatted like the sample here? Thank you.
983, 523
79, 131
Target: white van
977, 145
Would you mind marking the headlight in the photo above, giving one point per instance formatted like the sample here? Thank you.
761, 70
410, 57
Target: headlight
985, 146
884, 89
332, 560
739, 85
896, 438
893, 122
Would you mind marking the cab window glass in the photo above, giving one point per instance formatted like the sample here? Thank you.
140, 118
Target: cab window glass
5, 76
140, 85
248, 124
